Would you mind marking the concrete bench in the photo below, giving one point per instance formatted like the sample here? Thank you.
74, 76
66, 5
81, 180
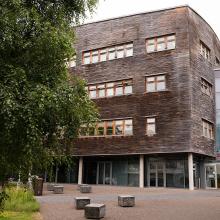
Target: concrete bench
79, 185
50, 186
85, 189
81, 202
95, 211
126, 200
57, 189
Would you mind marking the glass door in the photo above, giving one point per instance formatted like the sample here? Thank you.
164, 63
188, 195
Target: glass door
157, 173
210, 176
104, 173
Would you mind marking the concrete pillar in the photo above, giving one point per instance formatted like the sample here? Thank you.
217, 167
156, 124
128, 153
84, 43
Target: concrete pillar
56, 174
141, 172
80, 170
190, 171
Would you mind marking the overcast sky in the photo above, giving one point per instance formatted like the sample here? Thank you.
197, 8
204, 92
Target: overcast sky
208, 9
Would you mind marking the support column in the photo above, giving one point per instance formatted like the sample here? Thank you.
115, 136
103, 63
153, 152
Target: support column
56, 174
80, 170
190, 171
141, 172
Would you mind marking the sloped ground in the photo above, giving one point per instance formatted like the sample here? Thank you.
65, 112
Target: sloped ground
151, 203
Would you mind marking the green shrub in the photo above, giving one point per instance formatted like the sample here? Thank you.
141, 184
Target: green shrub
3, 197
21, 200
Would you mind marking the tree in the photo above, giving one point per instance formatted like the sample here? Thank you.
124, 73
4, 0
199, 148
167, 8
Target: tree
41, 105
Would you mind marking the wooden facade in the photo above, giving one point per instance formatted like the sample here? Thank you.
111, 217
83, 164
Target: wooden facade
179, 109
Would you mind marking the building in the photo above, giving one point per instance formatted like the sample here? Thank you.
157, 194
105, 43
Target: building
151, 76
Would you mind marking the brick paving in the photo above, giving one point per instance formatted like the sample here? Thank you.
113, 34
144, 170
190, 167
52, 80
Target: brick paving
151, 204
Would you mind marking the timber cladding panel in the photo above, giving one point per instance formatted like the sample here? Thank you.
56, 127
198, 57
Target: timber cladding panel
178, 110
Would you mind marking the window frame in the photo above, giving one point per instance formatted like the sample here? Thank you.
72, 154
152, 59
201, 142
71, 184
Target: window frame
150, 123
205, 51
155, 39
105, 130
206, 83
155, 82
124, 47
208, 130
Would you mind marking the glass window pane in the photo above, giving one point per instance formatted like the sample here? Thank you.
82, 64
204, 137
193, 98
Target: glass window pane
101, 93
103, 55
119, 90
150, 129
109, 128
150, 120
92, 94
128, 89
150, 48
109, 85
87, 58
151, 87
120, 52
160, 78
110, 92
217, 100
128, 129
118, 127
111, 53
161, 46
171, 45
161, 86
150, 79
100, 129
95, 57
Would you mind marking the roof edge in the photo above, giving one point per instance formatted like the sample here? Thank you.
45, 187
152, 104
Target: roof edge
149, 12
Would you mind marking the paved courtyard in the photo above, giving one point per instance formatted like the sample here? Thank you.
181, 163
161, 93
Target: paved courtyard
151, 203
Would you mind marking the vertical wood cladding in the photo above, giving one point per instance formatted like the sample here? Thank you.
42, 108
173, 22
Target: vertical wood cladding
179, 109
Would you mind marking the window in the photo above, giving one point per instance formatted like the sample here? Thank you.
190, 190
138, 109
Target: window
92, 92
119, 127
204, 51
129, 50
150, 126
95, 56
122, 87
161, 43
86, 58
206, 87
103, 55
207, 128
155, 83
108, 53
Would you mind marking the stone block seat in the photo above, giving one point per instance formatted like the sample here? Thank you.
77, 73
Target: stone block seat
79, 185
126, 200
95, 211
58, 189
84, 188
81, 202
50, 186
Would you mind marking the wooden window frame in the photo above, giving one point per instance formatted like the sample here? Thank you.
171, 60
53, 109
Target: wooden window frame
124, 45
209, 127
105, 122
205, 83
205, 51
155, 82
156, 43
150, 123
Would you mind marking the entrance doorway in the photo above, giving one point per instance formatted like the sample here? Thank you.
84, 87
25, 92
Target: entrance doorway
157, 174
104, 173
211, 176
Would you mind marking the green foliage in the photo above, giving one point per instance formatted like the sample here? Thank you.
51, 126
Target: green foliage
3, 198
41, 105
16, 216
20, 200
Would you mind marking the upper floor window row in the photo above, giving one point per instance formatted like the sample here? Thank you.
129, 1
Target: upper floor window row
71, 62
119, 127
162, 43
206, 87
108, 89
108, 53
205, 51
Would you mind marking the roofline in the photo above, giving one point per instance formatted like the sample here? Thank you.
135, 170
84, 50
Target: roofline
149, 12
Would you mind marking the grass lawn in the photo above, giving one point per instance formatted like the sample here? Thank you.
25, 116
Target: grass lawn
20, 205
8, 215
